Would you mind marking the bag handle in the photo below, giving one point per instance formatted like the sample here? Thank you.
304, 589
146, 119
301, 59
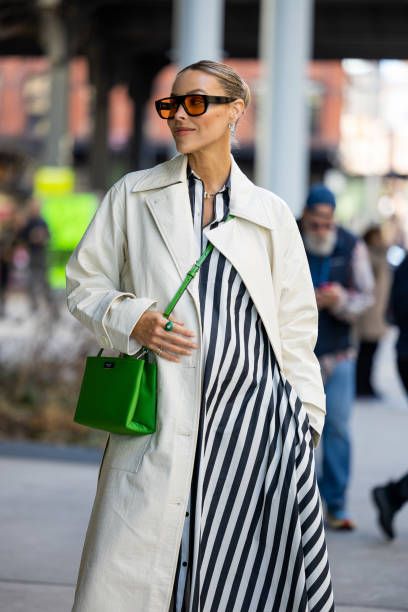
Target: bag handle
189, 277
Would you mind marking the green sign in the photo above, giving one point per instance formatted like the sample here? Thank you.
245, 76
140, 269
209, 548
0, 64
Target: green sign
67, 217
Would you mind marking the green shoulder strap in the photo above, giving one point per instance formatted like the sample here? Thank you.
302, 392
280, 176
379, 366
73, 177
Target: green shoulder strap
189, 277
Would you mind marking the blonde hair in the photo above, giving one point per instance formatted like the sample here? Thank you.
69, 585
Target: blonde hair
233, 85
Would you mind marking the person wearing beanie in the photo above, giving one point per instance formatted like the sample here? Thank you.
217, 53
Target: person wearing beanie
343, 282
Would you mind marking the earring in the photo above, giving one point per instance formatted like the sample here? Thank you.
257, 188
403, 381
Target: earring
231, 127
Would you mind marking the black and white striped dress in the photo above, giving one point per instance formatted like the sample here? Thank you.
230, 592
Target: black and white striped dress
253, 539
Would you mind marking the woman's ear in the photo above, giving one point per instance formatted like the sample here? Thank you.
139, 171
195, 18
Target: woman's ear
237, 109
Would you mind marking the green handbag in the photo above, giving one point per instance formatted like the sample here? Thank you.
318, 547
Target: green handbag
119, 394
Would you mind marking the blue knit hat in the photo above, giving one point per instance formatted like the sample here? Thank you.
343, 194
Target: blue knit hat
320, 194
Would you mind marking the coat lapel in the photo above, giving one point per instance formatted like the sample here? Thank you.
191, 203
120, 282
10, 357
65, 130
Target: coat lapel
246, 200
243, 244
171, 211
240, 240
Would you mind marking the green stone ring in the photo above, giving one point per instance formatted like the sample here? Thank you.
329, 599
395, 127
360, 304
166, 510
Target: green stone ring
169, 326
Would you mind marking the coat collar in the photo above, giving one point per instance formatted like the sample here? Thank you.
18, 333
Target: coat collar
163, 175
168, 200
246, 199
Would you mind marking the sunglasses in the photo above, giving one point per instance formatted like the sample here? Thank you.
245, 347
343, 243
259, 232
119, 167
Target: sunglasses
194, 104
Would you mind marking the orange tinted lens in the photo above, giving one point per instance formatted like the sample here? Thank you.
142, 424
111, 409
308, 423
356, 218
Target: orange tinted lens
168, 108
195, 105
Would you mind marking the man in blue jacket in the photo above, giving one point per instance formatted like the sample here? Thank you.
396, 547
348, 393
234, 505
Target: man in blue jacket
344, 283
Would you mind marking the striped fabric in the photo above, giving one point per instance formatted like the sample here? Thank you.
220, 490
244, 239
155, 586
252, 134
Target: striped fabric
253, 539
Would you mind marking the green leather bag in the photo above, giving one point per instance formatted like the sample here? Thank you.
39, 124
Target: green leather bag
119, 394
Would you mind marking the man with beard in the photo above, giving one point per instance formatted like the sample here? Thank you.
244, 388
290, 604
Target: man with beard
344, 283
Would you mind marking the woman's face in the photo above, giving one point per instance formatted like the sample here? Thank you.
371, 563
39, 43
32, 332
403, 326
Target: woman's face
192, 134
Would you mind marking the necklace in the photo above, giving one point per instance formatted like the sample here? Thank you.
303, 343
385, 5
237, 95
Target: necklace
208, 195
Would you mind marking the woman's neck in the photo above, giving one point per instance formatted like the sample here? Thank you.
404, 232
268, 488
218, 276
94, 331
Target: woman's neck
212, 170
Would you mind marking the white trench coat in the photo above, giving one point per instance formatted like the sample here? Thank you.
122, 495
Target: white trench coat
133, 257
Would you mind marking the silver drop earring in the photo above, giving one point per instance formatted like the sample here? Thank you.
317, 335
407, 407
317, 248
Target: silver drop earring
232, 128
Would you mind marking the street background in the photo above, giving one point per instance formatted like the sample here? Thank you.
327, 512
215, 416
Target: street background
77, 84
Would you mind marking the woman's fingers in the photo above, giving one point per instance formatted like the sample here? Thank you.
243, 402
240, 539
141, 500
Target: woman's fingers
165, 355
160, 351
173, 347
178, 328
174, 337
174, 320
150, 332
179, 336
173, 343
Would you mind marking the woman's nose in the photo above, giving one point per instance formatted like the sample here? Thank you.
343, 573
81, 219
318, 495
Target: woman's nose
180, 112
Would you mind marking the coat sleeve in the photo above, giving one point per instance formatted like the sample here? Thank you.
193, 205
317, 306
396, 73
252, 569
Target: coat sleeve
298, 321
93, 277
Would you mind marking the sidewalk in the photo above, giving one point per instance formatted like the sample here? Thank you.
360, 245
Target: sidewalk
45, 505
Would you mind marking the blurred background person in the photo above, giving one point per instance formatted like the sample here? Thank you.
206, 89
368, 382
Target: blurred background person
390, 497
35, 235
388, 500
7, 246
399, 310
371, 325
343, 282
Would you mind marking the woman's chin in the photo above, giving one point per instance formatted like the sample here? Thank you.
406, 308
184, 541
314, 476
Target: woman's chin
184, 148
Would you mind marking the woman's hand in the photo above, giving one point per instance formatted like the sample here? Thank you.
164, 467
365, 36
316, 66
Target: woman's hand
149, 332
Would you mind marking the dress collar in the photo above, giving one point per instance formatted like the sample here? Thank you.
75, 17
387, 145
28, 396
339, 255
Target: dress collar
194, 175
246, 201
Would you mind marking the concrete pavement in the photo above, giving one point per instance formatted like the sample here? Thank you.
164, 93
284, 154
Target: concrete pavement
44, 507
45, 504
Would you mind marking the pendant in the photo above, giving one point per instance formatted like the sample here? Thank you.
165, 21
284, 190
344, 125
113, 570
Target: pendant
209, 195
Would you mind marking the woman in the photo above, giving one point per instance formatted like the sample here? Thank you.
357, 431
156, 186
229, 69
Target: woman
371, 325
219, 510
